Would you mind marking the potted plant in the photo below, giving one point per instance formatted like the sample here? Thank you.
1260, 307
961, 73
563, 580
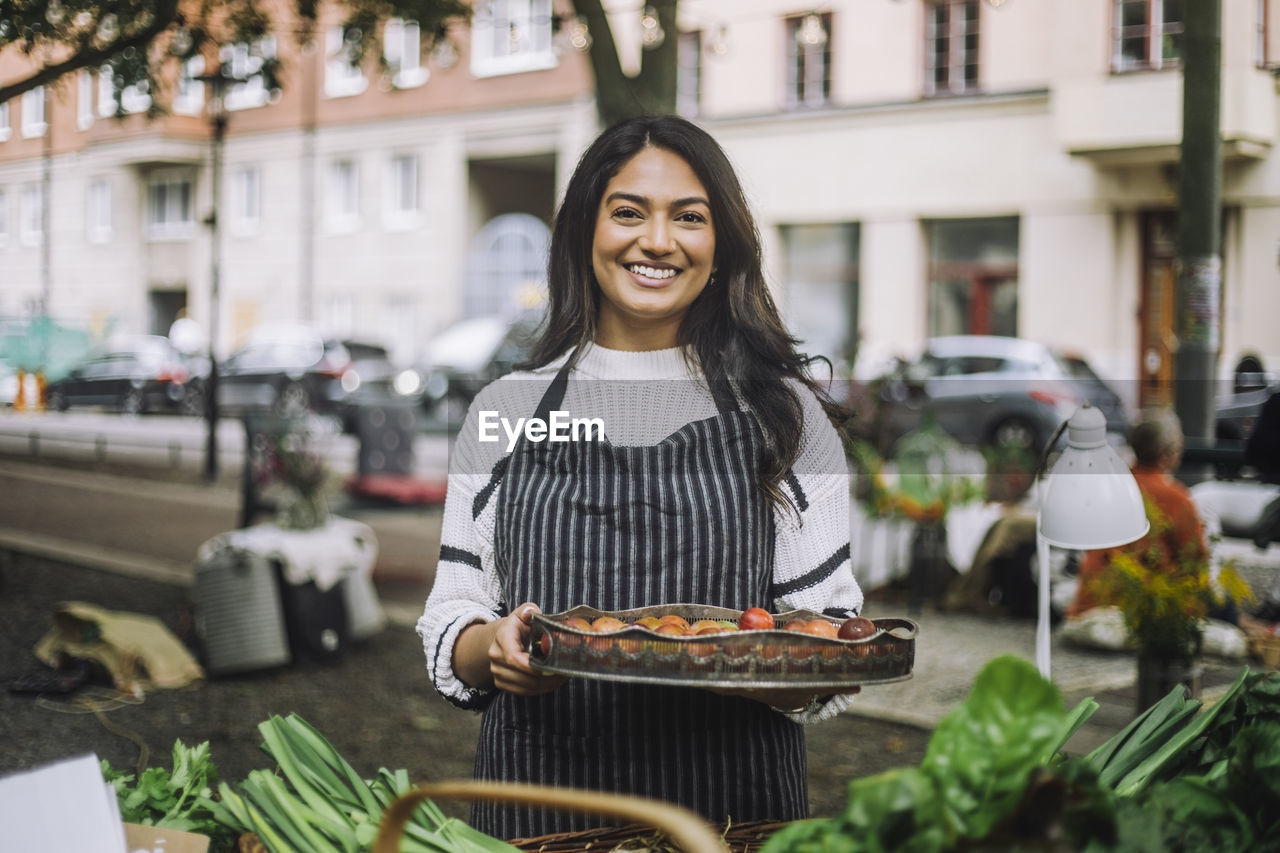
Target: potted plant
291, 474
1165, 594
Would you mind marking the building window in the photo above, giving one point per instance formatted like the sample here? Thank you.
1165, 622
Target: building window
33, 123
245, 62
342, 314
1147, 35
98, 212
31, 215
400, 192
821, 287
951, 47
169, 207
973, 276
342, 75
808, 39
112, 99
400, 326
84, 99
4, 122
343, 201
402, 50
246, 200
1266, 52
510, 36
106, 92
188, 99
689, 73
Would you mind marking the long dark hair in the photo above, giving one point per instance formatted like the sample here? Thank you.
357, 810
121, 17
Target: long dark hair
732, 332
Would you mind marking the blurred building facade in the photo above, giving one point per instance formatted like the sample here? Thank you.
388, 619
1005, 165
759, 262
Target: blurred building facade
918, 167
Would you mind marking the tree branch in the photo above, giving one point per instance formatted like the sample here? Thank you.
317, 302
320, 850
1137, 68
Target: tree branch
165, 12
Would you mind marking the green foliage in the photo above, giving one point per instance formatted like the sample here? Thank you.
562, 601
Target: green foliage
993, 778
141, 41
989, 776
1164, 589
318, 803
173, 800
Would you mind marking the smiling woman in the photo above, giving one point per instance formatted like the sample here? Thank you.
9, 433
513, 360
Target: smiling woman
654, 251
720, 480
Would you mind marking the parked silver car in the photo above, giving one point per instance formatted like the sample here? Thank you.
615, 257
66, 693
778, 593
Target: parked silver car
986, 390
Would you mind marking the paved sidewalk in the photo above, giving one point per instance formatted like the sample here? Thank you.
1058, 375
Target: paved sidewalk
952, 647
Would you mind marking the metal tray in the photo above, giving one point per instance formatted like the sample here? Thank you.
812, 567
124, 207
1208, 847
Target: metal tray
770, 658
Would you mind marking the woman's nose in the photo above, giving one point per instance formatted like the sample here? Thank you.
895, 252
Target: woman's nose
656, 238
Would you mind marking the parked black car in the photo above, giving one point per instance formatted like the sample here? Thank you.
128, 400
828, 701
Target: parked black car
986, 390
459, 362
288, 370
135, 375
1236, 412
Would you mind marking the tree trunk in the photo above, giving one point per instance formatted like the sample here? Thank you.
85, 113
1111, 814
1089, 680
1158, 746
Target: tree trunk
653, 90
1199, 263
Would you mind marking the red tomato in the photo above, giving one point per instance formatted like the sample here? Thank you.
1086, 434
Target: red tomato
857, 628
755, 619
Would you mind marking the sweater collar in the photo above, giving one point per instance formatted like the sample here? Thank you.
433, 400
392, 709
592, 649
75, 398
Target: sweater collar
603, 363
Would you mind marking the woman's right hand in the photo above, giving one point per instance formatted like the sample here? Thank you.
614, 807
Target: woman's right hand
494, 654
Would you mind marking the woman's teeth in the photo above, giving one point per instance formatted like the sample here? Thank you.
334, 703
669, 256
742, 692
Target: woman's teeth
650, 272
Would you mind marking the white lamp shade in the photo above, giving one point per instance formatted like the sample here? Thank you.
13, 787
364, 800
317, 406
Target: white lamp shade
1090, 499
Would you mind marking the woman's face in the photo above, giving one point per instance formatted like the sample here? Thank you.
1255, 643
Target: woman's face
653, 250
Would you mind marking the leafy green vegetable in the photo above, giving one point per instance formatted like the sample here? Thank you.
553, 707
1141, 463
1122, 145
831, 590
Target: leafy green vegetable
984, 750
320, 804
173, 800
993, 777
975, 779
1150, 769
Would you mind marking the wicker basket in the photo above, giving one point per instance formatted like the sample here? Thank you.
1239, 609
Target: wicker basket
738, 838
685, 830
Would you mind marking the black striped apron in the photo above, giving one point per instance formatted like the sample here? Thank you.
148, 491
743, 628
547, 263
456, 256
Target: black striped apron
682, 521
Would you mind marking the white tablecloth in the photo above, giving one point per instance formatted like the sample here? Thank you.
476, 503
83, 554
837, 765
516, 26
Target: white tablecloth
342, 550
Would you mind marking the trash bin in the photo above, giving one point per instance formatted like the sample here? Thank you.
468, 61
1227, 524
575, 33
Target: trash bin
239, 613
386, 431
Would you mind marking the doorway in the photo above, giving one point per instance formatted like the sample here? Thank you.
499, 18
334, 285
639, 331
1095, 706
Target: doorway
163, 307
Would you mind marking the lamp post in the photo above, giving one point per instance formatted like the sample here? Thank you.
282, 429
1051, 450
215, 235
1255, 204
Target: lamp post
217, 112
1089, 500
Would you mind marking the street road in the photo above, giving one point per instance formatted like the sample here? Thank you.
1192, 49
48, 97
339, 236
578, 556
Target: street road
126, 494
171, 444
146, 525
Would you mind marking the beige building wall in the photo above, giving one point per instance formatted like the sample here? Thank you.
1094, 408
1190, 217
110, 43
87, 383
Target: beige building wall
1052, 137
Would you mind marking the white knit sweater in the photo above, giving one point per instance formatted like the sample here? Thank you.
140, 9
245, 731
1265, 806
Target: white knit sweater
641, 397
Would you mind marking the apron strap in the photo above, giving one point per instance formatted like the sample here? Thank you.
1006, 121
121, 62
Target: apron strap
554, 395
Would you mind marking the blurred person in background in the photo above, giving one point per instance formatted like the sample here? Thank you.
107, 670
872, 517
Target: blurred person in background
1156, 441
1263, 452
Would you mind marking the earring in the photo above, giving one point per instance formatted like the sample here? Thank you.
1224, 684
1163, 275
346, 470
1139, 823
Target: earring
711, 282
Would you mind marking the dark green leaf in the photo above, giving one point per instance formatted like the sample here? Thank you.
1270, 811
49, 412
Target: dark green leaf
983, 751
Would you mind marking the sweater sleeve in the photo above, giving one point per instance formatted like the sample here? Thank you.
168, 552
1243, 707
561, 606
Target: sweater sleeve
466, 588
812, 567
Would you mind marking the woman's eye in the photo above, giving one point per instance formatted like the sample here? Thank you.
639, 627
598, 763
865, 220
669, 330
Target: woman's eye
625, 213
692, 216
